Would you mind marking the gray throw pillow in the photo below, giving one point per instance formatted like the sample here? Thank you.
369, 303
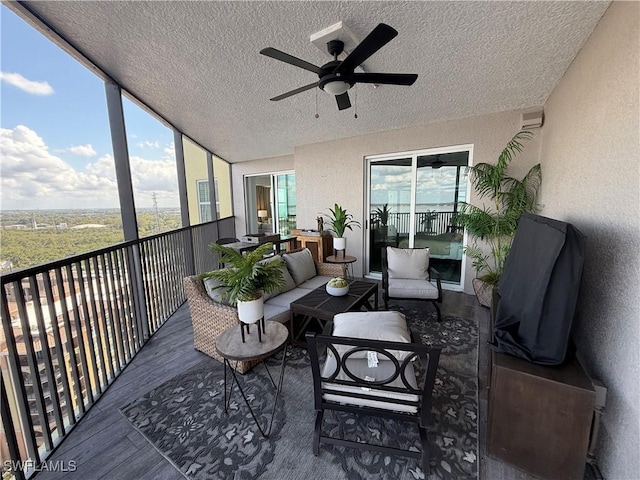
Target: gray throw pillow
289, 284
300, 265
217, 294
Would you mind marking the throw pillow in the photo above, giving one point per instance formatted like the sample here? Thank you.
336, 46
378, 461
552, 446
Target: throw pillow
217, 294
289, 284
412, 263
300, 265
385, 326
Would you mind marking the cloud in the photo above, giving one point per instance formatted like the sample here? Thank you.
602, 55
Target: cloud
148, 144
84, 150
31, 176
170, 150
29, 86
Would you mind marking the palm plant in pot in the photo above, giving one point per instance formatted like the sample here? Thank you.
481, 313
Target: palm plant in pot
248, 277
492, 227
381, 215
339, 222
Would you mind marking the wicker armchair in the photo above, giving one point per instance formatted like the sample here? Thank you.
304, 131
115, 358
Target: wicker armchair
211, 318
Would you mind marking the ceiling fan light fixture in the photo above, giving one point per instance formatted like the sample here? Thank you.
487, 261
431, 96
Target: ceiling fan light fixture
336, 87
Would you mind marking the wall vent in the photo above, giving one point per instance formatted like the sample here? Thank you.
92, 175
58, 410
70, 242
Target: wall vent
532, 120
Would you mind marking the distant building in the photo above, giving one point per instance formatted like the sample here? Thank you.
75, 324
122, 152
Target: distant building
88, 225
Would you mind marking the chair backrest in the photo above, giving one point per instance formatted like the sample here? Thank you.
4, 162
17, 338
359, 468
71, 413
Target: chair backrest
412, 267
346, 386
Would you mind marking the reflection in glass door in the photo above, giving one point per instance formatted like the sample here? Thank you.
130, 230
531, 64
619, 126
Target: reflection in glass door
285, 186
270, 203
440, 184
389, 206
412, 200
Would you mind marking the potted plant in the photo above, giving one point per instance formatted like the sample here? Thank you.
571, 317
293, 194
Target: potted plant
496, 224
339, 222
381, 215
247, 278
427, 219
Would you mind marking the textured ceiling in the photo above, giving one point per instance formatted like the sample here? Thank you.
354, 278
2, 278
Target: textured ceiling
197, 63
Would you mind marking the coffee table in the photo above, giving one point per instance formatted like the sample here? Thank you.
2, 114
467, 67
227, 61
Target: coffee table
231, 347
319, 307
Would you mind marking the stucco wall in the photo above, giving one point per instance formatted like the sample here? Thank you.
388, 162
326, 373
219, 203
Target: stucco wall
332, 172
195, 167
590, 158
239, 170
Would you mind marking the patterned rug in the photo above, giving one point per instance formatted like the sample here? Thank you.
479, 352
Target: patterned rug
184, 419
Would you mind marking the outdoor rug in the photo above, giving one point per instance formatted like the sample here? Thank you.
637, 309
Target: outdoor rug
184, 419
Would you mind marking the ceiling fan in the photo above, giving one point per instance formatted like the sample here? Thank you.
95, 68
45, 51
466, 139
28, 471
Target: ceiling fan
337, 77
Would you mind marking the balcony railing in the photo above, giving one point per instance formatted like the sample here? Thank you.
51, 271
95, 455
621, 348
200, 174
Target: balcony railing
71, 326
430, 222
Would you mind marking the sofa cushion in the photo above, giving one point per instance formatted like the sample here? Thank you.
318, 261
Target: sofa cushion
275, 313
315, 282
284, 299
300, 265
217, 294
385, 326
408, 263
289, 284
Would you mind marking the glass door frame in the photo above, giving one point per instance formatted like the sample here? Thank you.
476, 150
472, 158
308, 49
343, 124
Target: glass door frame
413, 154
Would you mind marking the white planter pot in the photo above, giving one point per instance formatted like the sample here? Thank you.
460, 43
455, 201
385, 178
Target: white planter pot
251, 311
337, 291
339, 243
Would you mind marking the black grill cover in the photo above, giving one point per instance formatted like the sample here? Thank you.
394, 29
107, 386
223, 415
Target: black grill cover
539, 290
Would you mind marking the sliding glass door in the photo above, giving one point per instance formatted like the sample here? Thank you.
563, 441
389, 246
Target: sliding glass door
270, 202
411, 201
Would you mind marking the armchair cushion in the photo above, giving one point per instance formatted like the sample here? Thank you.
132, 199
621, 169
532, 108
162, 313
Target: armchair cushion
408, 263
410, 288
386, 326
359, 368
300, 265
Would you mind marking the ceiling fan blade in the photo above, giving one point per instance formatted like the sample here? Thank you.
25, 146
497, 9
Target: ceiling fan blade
290, 59
293, 92
386, 78
378, 38
343, 101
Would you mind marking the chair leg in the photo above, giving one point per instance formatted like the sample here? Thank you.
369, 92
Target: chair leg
426, 467
435, 304
316, 433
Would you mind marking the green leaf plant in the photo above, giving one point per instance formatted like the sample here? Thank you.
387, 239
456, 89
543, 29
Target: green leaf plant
339, 221
249, 274
381, 215
496, 224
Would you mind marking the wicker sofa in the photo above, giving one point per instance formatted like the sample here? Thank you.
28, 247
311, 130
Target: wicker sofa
210, 318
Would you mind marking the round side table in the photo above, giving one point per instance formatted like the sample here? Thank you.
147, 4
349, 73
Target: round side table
231, 347
346, 260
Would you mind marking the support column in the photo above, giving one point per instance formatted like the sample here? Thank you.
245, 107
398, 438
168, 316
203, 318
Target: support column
190, 262
121, 159
127, 202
